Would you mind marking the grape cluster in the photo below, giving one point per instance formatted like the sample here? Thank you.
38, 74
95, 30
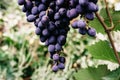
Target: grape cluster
52, 19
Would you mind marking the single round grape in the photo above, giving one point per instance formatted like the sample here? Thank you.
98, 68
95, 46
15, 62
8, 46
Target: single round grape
91, 32
41, 14
62, 59
81, 24
92, 7
61, 66
45, 19
43, 38
57, 16
28, 5
58, 47
52, 39
62, 11
21, 2
56, 57
51, 26
40, 25
41, 7
55, 68
79, 9
34, 10
51, 48
89, 16
60, 2
31, 18
74, 24
82, 31
72, 13
45, 32
38, 31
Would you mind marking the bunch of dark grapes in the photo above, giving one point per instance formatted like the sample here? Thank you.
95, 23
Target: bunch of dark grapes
52, 19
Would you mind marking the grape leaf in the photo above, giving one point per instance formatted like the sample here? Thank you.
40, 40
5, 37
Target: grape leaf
102, 50
91, 73
114, 75
97, 25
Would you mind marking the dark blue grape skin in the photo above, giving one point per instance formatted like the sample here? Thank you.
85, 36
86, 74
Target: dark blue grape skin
45, 32
41, 14
46, 43
92, 7
79, 9
52, 40
91, 32
28, 5
61, 66
45, 20
94, 1
57, 16
62, 11
34, 10
21, 2
72, 13
61, 39
52, 5
28, 13
55, 68
89, 16
81, 24
43, 38
41, 7
31, 18
74, 24
61, 59
38, 31
58, 47
56, 57
40, 25
51, 48
82, 31
24, 9
51, 26
36, 22
60, 2
83, 2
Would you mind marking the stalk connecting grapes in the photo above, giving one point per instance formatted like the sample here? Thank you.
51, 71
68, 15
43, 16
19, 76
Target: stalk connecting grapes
52, 19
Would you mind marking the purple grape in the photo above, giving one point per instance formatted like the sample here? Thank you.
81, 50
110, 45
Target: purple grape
58, 47
38, 31
34, 10
31, 18
81, 24
72, 13
51, 26
61, 66
51, 48
57, 16
62, 11
45, 19
24, 9
89, 16
21, 2
60, 2
74, 24
40, 25
41, 7
42, 38
28, 5
45, 32
52, 39
41, 14
79, 9
56, 57
92, 7
62, 59
91, 32
55, 68
82, 31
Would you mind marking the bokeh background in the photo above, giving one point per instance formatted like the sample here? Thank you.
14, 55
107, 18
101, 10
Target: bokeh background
24, 57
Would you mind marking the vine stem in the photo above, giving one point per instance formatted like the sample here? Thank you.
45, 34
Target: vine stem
107, 30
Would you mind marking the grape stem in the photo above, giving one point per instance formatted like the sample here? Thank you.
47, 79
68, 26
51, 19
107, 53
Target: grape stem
110, 18
108, 31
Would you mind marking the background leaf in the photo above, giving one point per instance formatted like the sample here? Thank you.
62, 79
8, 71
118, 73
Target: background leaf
102, 50
91, 73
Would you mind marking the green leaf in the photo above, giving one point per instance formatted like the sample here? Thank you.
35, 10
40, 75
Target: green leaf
114, 75
97, 25
102, 50
91, 73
